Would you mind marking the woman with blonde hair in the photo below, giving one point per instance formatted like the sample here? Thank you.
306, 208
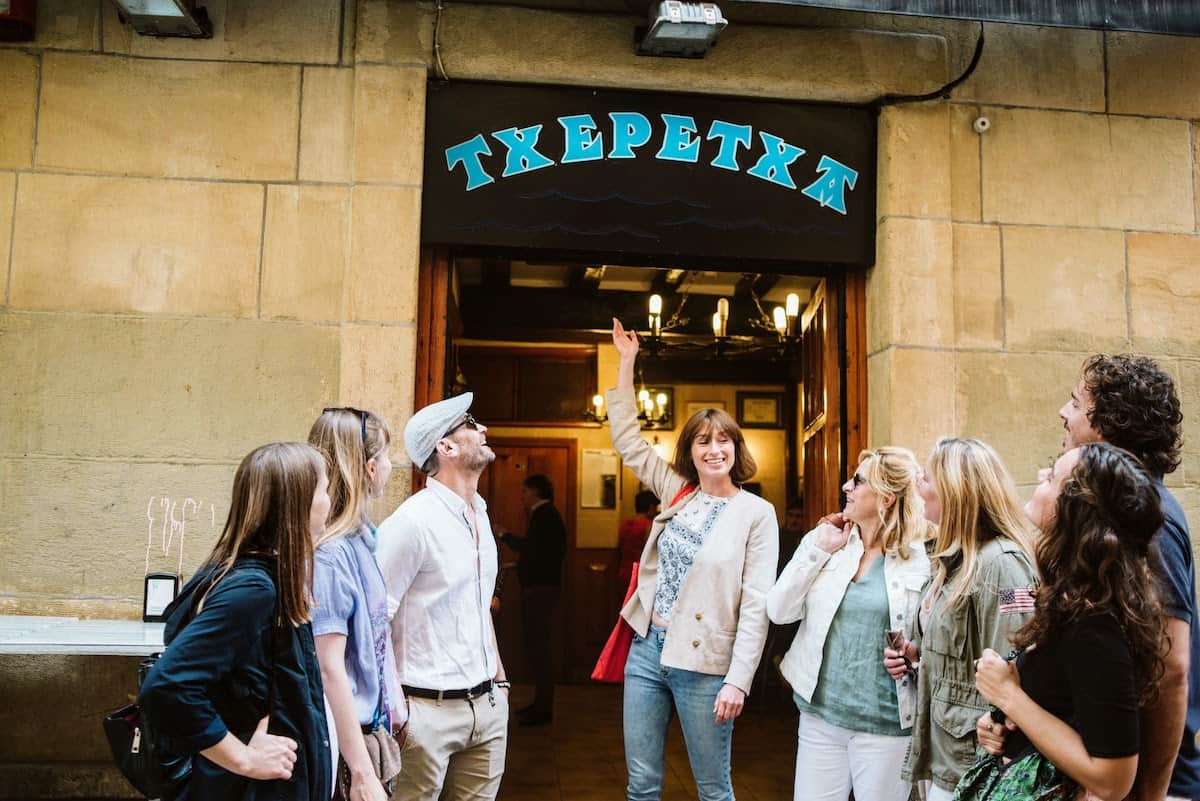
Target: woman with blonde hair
980, 593
238, 686
854, 579
697, 612
350, 621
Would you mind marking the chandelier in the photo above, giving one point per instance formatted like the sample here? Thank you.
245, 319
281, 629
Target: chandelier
654, 407
778, 338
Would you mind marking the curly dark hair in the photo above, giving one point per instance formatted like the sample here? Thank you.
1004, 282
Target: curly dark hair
1097, 557
1135, 407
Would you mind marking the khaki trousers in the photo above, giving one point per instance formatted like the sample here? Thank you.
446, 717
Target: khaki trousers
456, 745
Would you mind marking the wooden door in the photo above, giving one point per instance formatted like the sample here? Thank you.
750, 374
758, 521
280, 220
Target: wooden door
500, 486
821, 406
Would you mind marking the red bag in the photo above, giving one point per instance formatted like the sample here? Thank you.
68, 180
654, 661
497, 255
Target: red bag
610, 667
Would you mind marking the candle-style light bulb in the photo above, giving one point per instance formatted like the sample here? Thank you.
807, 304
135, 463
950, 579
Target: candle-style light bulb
780, 320
648, 406
716, 322
723, 308
598, 403
656, 304
661, 400
643, 396
793, 305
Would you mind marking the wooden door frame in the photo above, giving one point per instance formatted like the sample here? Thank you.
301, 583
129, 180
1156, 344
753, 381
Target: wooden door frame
572, 446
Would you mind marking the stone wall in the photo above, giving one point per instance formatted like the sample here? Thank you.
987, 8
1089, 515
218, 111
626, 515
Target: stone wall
1069, 227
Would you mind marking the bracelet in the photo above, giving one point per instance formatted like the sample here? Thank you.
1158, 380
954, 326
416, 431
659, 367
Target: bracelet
503, 684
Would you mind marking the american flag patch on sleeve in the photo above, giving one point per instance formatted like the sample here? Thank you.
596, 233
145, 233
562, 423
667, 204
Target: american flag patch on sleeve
1016, 600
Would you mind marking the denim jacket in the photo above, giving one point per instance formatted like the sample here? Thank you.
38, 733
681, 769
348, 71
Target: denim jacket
948, 705
811, 589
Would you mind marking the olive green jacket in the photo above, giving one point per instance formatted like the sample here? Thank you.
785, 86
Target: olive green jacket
950, 640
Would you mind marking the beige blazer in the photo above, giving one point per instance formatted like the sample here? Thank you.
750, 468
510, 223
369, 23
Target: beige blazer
719, 624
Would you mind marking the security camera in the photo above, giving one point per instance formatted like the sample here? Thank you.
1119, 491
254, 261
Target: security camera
981, 125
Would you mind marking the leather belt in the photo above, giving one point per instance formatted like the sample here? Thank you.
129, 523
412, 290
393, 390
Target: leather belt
479, 689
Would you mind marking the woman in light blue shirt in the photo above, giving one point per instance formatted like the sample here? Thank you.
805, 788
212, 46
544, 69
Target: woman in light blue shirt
855, 577
350, 618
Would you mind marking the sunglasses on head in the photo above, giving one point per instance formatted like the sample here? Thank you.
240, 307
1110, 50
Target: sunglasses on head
362, 417
468, 421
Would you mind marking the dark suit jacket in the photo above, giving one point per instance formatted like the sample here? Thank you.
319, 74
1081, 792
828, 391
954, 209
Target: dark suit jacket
542, 549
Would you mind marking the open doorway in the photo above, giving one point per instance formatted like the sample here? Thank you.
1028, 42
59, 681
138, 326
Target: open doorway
531, 339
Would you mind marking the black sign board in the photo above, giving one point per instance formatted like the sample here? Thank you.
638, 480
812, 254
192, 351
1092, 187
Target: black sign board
619, 172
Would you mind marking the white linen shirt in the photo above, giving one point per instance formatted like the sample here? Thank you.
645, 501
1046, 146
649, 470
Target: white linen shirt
440, 584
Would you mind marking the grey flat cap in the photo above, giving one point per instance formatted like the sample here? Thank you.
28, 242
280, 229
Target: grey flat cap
427, 426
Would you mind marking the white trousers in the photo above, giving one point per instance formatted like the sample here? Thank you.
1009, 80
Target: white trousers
938, 794
831, 760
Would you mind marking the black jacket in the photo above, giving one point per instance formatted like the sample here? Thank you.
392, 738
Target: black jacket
221, 672
542, 549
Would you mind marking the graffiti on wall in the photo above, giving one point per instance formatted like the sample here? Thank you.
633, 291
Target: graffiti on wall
168, 520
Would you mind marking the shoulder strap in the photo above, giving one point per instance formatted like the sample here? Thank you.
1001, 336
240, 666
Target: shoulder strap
686, 490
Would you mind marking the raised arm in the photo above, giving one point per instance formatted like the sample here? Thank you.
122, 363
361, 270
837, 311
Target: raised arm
787, 599
627, 437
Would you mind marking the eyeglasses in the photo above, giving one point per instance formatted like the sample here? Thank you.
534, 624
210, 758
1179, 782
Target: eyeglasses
468, 421
858, 480
362, 417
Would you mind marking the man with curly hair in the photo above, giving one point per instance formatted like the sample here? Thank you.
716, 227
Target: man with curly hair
1130, 402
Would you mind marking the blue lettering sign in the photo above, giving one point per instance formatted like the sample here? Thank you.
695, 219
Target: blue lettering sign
830, 189
581, 143
630, 130
773, 165
731, 136
678, 143
522, 157
467, 154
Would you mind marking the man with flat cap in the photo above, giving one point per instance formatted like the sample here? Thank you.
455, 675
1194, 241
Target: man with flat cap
438, 558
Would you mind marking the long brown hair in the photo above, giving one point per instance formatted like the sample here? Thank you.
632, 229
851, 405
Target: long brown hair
979, 503
710, 421
1097, 557
348, 438
269, 519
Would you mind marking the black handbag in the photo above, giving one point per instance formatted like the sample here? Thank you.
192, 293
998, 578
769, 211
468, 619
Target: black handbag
153, 772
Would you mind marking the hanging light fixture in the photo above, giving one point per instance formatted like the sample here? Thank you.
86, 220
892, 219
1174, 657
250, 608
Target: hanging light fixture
779, 337
653, 405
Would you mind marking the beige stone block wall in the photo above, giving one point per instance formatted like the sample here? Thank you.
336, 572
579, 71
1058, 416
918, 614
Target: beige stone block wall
1065, 289
1087, 170
8, 197
913, 281
86, 243
1147, 75
1024, 65
978, 287
914, 161
966, 202
383, 254
18, 94
389, 124
306, 248
168, 118
244, 30
912, 399
327, 125
1164, 288
65, 25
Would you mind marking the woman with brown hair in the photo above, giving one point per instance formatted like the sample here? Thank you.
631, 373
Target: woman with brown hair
1099, 633
698, 611
238, 686
350, 622
855, 578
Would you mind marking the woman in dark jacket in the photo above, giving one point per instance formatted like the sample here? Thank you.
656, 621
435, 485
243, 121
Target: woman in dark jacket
238, 686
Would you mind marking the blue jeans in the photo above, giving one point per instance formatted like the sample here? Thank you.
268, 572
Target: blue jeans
651, 692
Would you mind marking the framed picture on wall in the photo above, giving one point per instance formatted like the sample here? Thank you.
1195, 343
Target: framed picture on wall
691, 407
760, 409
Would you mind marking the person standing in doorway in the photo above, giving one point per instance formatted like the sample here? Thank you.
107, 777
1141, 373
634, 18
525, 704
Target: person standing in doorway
633, 533
539, 567
438, 557
698, 613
